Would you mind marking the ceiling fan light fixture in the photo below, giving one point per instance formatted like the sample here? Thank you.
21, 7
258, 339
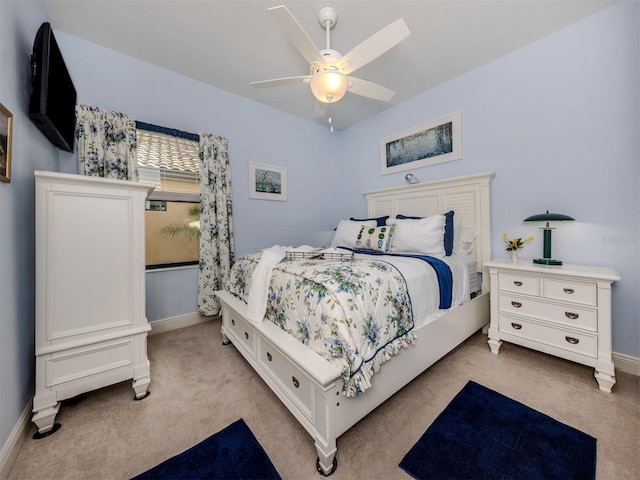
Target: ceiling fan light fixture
329, 86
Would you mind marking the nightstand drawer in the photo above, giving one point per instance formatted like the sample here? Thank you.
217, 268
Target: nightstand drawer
568, 291
524, 284
581, 343
568, 315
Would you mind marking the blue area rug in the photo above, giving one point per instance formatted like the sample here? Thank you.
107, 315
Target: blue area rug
485, 435
232, 453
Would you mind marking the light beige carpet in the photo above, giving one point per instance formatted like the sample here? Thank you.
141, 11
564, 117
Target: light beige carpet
200, 386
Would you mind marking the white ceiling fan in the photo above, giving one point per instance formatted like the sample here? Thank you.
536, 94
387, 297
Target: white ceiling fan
330, 72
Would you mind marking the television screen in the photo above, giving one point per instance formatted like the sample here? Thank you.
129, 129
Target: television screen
53, 100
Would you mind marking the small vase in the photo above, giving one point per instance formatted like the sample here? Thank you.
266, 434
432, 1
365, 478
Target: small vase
514, 256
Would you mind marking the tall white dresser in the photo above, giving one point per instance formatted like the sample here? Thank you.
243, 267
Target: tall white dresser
91, 326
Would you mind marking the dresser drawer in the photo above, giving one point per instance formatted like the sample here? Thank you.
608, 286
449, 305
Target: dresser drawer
569, 291
581, 343
508, 282
568, 315
90, 361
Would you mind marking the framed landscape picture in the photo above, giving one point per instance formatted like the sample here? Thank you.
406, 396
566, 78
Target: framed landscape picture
267, 182
6, 121
437, 141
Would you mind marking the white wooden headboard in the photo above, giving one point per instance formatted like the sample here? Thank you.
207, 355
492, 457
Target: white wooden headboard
467, 196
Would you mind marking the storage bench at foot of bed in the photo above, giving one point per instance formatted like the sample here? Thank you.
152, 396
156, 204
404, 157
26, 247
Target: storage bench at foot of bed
307, 384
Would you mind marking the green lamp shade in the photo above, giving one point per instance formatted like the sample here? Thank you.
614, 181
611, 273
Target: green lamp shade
547, 217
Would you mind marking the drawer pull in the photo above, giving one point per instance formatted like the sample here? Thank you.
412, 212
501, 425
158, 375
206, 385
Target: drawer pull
516, 304
246, 335
516, 326
568, 290
517, 283
269, 357
295, 381
233, 322
572, 340
571, 315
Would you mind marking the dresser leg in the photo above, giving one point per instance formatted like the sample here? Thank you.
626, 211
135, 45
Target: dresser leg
494, 340
605, 380
140, 387
44, 418
141, 380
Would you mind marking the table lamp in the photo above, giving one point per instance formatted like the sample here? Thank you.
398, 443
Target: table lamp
547, 217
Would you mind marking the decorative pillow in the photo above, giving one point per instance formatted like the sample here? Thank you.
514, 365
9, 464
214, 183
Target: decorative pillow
467, 241
449, 229
347, 231
449, 232
424, 236
380, 221
375, 238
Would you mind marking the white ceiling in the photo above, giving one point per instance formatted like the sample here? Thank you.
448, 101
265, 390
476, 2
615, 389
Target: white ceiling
230, 43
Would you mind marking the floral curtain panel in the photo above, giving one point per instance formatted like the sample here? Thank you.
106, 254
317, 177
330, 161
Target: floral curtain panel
106, 143
216, 221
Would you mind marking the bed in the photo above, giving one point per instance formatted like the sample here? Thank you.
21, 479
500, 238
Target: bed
313, 388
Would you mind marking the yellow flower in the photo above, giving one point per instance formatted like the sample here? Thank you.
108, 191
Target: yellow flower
516, 244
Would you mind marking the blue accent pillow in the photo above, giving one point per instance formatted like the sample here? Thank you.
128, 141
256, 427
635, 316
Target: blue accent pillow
448, 230
380, 221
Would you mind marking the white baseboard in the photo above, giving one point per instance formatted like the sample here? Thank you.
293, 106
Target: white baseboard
13, 444
626, 363
181, 321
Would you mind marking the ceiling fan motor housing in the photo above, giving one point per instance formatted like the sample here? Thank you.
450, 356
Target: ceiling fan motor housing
328, 14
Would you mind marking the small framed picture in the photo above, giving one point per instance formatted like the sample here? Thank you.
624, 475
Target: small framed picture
6, 121
267, 182
437, 141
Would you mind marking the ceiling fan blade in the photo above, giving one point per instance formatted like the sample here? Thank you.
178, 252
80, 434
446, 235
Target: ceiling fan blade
282, 82
374, 46
370, 89
297, 35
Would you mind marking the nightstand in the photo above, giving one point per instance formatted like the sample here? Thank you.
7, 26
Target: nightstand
560, 310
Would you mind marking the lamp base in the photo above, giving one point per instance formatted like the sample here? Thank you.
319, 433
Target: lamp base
547, 261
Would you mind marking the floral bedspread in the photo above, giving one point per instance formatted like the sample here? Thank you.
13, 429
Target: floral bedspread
354, 313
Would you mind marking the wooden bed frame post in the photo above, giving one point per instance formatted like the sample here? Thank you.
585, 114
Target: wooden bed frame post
325, 437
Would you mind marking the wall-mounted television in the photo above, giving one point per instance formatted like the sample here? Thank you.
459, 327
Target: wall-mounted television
53, 100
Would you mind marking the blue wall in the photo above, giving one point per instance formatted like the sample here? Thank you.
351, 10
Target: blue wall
30, 151
558, 121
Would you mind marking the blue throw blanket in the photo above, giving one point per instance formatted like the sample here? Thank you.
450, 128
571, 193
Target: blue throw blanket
445, 278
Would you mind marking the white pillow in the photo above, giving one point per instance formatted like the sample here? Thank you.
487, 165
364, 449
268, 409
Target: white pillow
424, 236
457, 233
347, 232
464, 240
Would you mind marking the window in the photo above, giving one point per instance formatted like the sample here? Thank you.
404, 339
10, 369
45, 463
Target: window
170, 161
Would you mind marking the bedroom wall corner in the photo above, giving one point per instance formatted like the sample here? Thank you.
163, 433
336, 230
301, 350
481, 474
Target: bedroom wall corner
31, 151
